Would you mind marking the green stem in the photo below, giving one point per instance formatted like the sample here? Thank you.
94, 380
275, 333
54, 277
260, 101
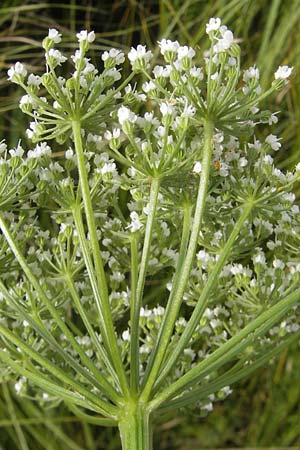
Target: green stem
237, 343
175, 299
102, 305
230, 377
204, 296
136, 305
36, 323
51, 308
133, 297
51, 368
98, 347
100, 105
182, 254
135, 428
44, 383
14, 418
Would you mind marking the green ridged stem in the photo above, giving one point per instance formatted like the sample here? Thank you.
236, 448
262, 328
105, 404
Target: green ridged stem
135, 428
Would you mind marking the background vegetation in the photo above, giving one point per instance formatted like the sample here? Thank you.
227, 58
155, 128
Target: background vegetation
263, 411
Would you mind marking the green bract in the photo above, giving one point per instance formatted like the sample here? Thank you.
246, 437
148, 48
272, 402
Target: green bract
153, 261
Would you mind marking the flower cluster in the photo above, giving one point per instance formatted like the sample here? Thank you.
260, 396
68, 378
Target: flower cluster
155, 237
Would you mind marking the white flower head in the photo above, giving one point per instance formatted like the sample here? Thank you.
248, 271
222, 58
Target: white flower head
189, 111
283, 72
213, 24
17, 69
251, 74
84, 35
34, 80
126, 115
185, 52
197, 167
168, 49
224, 43
109, 167
25, 100
166, 108
114, 56
278, 264
57, 56
69, 153
126, 335
148, 86
196, 72
54, 35
112, 135
139, 57
273, 141
136, 224
166, 45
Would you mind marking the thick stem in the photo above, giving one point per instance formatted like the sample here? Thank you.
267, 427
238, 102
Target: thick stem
178, 288
101, 297
135, 428
139, 290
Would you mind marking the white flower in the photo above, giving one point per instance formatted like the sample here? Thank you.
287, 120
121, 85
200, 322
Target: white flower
189, 352
224, 43
204, 258
17, 69
145, 312
273, 141
189, 111
115, 54
126, 115
108, 168
136, 224
113, 73
85, 36
185, 52
250, 74
208, 407
278, 264
40, 150
112, 135
57, 56
237, 269
139, 54
18, 151
196, 72
243, 162
259, 258
148, 116
213, 24
165, 229
214, 76
19, 385
69, 153
197, 167
166, 108
54, 35
34, 80
283, 72
25, 100
160, 71
126, 335
273, 119
148, 86
166, 45
3, 147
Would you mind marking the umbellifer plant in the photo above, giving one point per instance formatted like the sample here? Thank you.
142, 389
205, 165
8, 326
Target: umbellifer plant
152, 260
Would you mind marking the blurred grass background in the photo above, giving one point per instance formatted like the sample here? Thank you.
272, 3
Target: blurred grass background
263, 411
